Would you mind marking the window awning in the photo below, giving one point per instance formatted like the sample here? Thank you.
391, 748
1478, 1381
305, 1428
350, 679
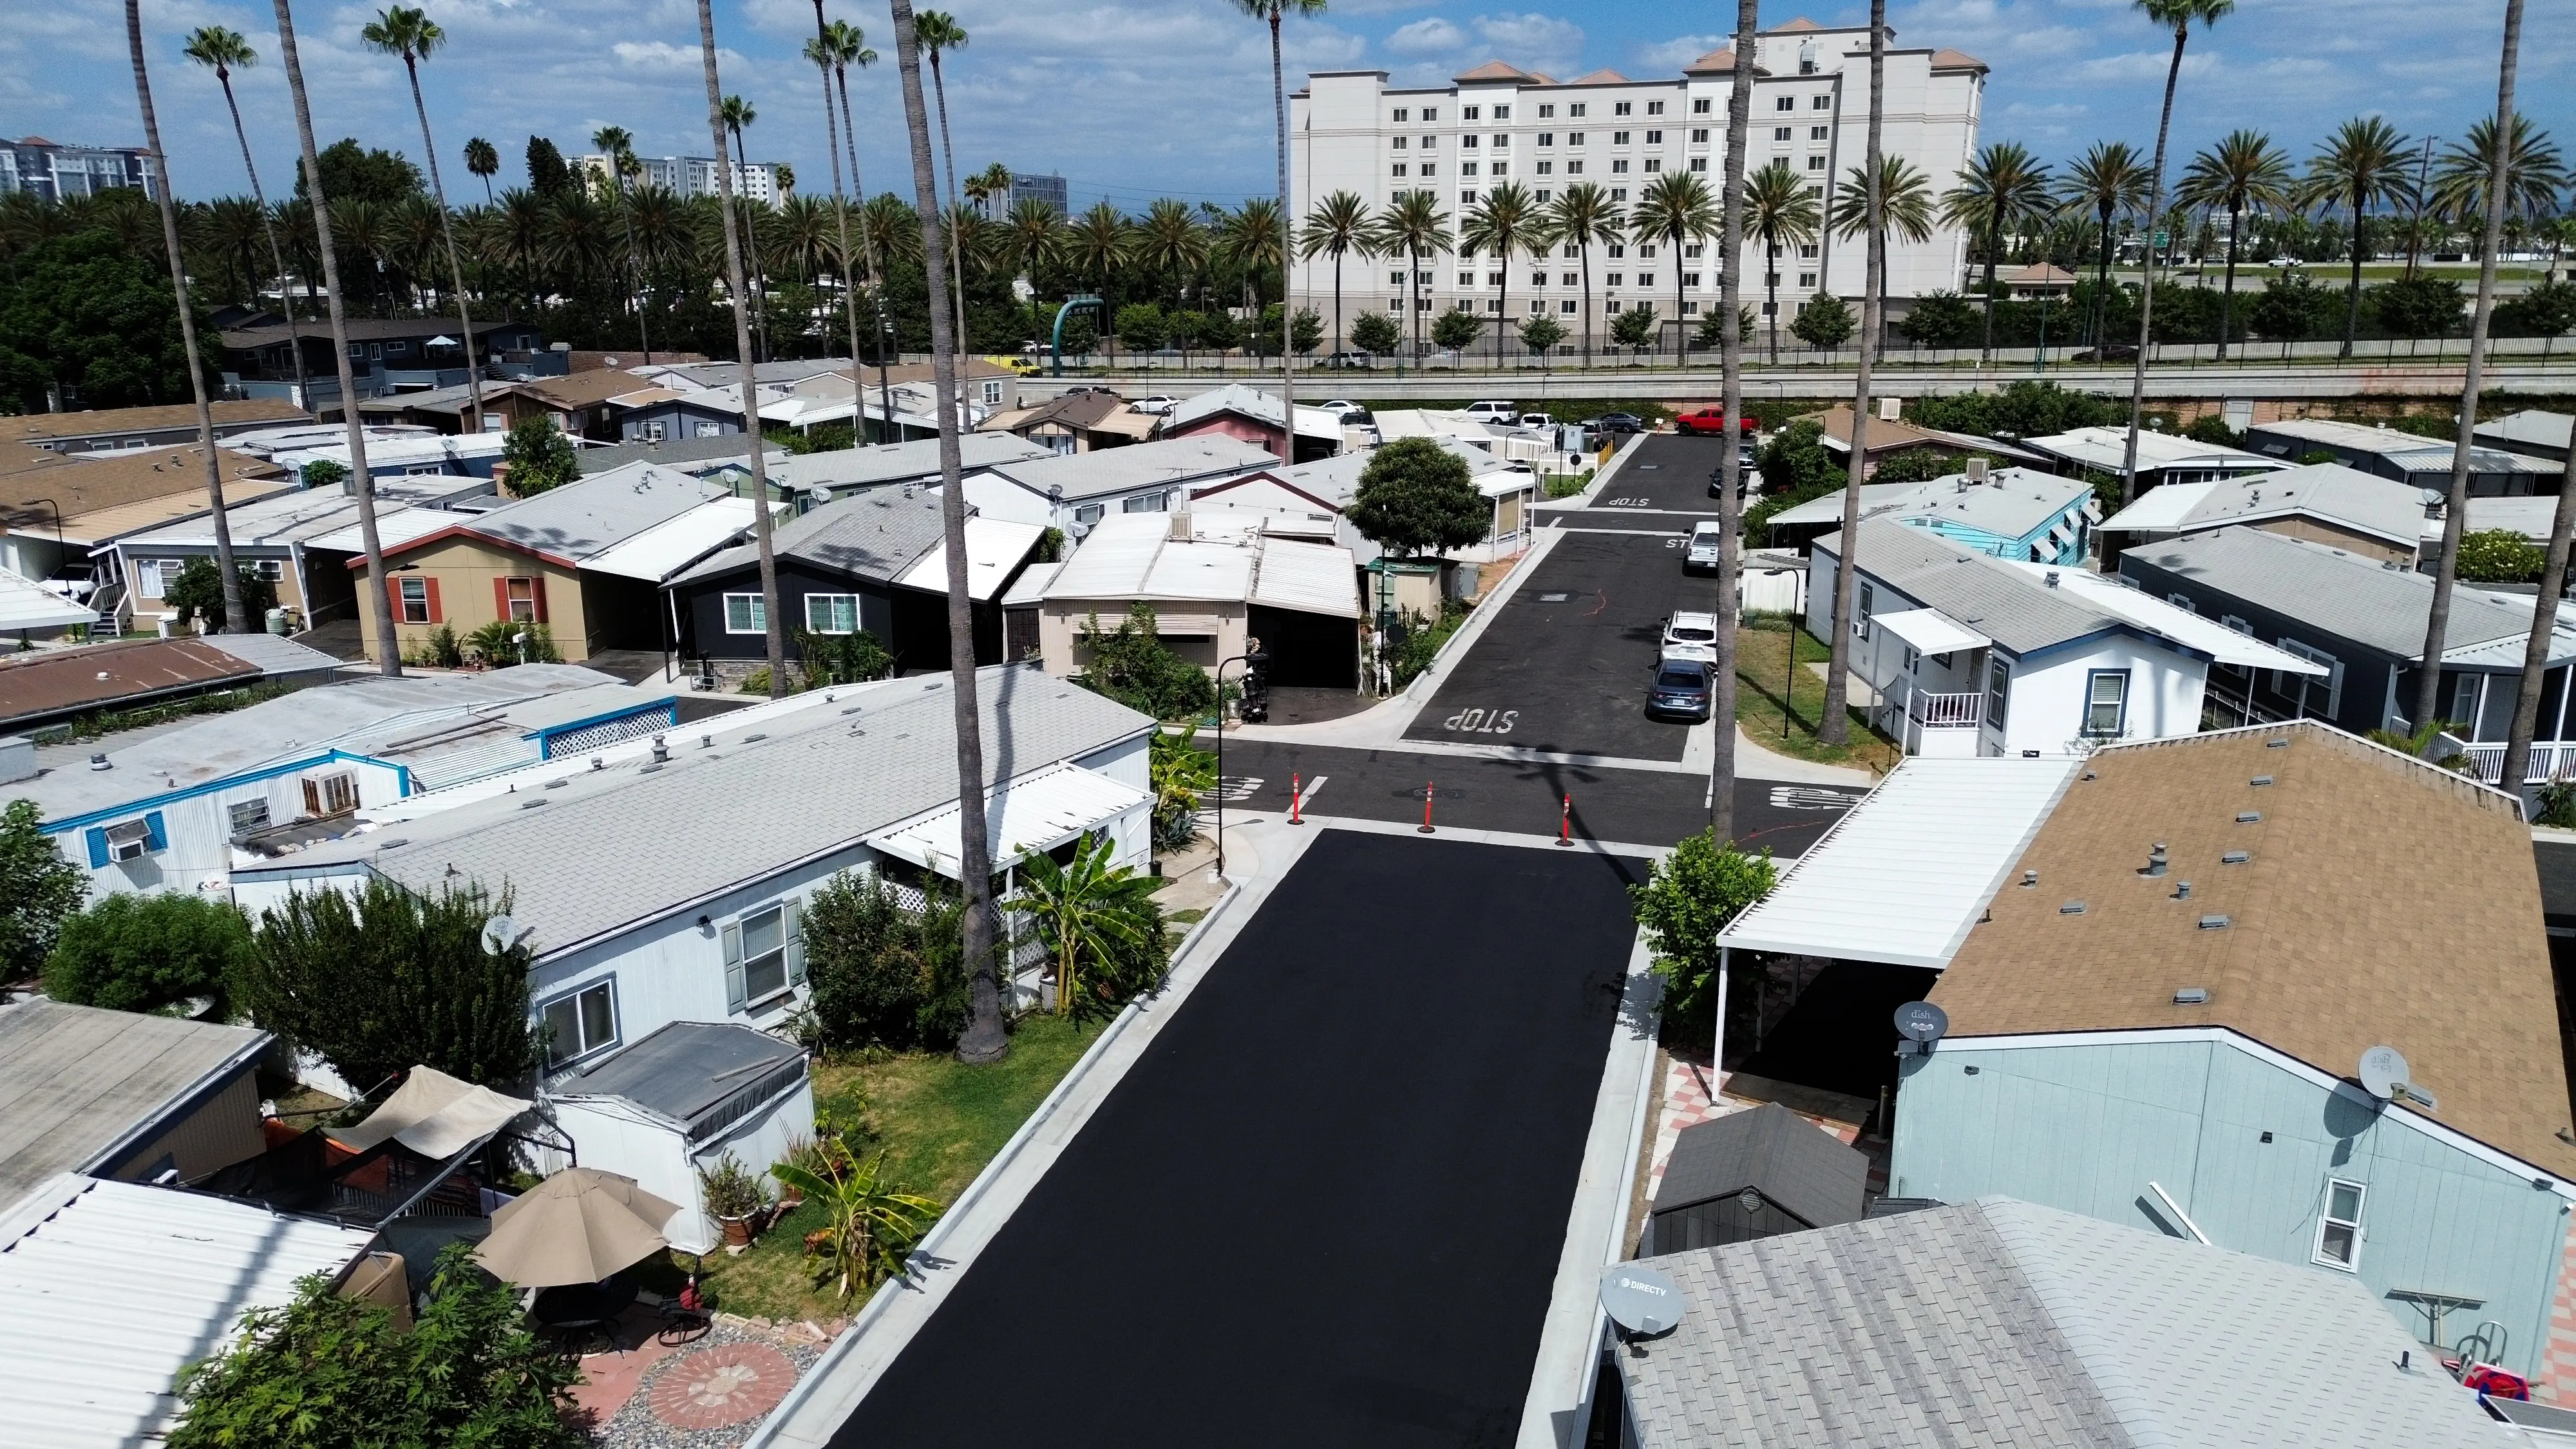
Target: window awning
1029, 816
1931, 631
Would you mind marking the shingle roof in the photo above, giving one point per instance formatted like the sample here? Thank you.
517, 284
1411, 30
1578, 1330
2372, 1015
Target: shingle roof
2015, 611
1999, 1323
591, 515
875, 535
1139, 465
2365, 502
1787, 1158
117, 422
1493, 70
2340, 592
76, 1080
2365, 869
2411, 451
2108, 448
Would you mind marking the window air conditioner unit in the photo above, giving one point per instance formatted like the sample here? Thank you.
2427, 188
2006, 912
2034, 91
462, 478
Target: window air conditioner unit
129, 841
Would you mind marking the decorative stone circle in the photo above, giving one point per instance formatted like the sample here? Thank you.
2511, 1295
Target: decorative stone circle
714, 1387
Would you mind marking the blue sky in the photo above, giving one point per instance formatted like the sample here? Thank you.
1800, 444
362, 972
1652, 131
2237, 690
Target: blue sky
1131, 99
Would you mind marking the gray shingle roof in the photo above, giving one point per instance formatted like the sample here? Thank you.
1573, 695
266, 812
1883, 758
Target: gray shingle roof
1198, 459
75, 1080
2002, 603
612, 847
2342, 593
1774, 1150
872, 535
589, 516
2000, 1323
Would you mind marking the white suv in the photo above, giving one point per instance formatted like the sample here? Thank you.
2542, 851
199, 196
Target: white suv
1691, 636
1707, 545
1490, 411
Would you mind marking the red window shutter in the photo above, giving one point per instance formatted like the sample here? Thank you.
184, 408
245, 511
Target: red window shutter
537, 589
501, 598
393, 596
436, 616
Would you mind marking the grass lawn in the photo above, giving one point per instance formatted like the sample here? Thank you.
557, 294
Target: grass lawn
936, 1119
1761, 665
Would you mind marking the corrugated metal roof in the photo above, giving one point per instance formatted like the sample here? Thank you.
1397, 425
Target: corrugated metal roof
588, 516
114, 1287
1978, 590
1139, 465
76, 1080
1032, 814
1903, 875
2411, 451
1312, 578
994, 547
916, 461
2382, 507
2108, 449
2337, 591
26, 604
1930, 630
2171, 621
657, 552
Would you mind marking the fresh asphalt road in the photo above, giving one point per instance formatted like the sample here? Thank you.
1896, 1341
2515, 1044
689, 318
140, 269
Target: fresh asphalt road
1668, 472
1525, 797
1325, 1207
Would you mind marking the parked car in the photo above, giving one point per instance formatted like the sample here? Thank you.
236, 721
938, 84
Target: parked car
1691, 636
1359, 418
1493, 411
1707, 539
1713, 421
1537, 420
1346, 359
1616, 423
1746, 475
1160, 404
2116, 352
1680, 688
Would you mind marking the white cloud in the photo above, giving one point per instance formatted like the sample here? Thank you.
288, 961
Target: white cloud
1668, 57
1428, 36
1532, 41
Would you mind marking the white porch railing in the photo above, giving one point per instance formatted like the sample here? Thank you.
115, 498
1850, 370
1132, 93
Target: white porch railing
2550, 760
1946, 711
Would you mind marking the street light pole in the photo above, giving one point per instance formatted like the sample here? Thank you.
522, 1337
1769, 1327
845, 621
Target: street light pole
1246, 661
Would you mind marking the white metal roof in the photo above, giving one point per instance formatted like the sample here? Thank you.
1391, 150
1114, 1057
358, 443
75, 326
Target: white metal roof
672, 545
2174, 622
1313, 578
393, 526
994, 546
1903, 876
26, 604
2161, 509
1930, 630
2108, 448
113, 1287
1032, 814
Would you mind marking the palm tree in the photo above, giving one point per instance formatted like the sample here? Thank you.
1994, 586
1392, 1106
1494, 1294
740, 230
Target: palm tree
820, 53
1832, 721
1032, 237
1905, 208
1271, 12
940, 33
618, 145
1675, 208
1337, 227
2239, 173
849, 48
2534, 174
1097, 245
408, 32
984, 185
1414, 227
738, 117
869, 1226
738, 292
236, 618
1247, 239
2106, 181
2498, 196
2363, 163
2004, 186
2179, 14
1778, 212
1170, 241
1084, 909
1582, 215
484, 160
1730, 356
983, 1040
225, 52
388, 645
1505, 220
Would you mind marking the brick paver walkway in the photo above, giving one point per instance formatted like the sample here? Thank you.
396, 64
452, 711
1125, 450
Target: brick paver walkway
709, 1388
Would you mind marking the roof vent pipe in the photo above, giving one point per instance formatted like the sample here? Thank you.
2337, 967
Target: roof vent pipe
100, 762
2155, 860
2052, 578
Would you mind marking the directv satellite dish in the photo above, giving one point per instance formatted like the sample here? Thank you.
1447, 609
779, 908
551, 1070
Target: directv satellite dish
1921, 1021
2383, 1072
1640, 1299
499, 934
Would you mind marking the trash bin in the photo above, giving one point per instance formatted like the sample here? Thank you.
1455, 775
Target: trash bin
277, 621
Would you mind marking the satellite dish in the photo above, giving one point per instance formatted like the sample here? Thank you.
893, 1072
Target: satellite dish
499, 934
2383, 1072
1640, 1299
1921, 1021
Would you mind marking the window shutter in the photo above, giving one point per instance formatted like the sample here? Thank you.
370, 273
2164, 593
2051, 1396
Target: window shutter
500, 597
156, 836
537, 588
393, 596
735, 995
96, 837
794, 911
436, 615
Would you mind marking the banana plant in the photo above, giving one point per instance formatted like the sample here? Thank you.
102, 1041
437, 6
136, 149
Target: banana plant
870, 1226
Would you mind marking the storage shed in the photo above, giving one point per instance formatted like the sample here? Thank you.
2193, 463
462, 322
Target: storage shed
1750, 1175
679, 1100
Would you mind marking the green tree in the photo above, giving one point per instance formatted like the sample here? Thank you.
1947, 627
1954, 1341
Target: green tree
2290, 308
1778, 213
326, 1371
1132, 665
1142, 327
93, 317
1377, 334
1710, 331
869, 1225
1940, 318
2106, 183
2004, 187
1506, 220
199, 592
2548, 310
1416, 497
883, 976
483, 161
325, 473
2212, 428
351, 172
1915, 465
2366, 162
1634, 327
1338, 227
1582, 215
2499, 556
1540, 332
130, 952
1415, 228
389, 980
1456, 329
1092, 915
1826, 321
1905, 207
408, 32
1675, 209
548, 177
1180, 773
2417, 306
1795, 467
2240, 173
1685, 900
2025, 409
38, 889
539, 457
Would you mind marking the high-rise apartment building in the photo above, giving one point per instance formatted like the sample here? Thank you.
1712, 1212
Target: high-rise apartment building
58, 172
1351, 131
696, 175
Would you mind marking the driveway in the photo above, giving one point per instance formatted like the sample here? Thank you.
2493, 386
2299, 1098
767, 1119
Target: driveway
1327, 1205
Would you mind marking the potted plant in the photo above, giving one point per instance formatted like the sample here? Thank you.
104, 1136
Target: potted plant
733, 1197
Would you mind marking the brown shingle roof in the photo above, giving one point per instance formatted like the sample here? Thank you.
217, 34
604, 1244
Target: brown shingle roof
1494, 70
2384, 900
80, 484
115, 422
585, 389
1794, 27
1717, 62
1948, 59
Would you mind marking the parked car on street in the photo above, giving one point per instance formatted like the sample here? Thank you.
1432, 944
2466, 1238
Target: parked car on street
1713, 421
1160, 404
1681, 688
1707, 539
1616, 423
1746, 478
1494, 411
1346, 359
1537, 420
1691, 636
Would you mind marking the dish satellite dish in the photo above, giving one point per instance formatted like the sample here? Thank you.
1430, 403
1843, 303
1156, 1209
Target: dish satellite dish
2383, 1072
1640, 1299
500, 934
1921, 1021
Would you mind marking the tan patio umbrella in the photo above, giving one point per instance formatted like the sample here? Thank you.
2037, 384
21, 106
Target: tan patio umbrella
577, 1226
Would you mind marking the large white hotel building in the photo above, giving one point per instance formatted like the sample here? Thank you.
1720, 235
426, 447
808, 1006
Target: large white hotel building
1351, 131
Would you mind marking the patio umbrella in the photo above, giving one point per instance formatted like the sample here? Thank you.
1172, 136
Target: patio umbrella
577, 1226
441, 340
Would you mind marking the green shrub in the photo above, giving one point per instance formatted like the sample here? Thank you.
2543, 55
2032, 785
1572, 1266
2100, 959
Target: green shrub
1915, 465
1418, 639
2499, 556
829, 659
1941, 319
882, 976
2027, 409
540, 457
131, 952
1687, 898
38, 890
1132, 665
199, 594
497, 644
438, 649
2212, 428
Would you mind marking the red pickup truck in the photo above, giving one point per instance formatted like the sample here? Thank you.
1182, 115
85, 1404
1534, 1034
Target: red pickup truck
1713, 421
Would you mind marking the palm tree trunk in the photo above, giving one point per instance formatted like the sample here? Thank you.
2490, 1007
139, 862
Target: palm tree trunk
868, 242
2101, 317
388, 644
1287, 249
755, 266
268, 227
956, 253
1771, 294
2147, 277
1730, 358
741, 294
983, 1041
1413, 297
1337, 300
2428, 687
841, 231
1681, 333
1994, 244
455, 268
1833, 725
1587, 304
234, 618
2227, 298
1505, 302
2352, 292
2535, 654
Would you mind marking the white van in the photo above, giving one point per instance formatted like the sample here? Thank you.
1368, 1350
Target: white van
1490, 411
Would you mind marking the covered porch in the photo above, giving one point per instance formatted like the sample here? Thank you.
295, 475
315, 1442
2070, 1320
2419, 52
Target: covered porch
1925, 673
2483, 683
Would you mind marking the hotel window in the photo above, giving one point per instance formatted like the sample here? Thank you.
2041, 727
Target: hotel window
1619, 108
1610, 308
1647, 250
1546, 111
1619, 138
1466, 279
414, 596
1816, 192
1619, 166
1645, 279
832, 613
1467, 198
1690, 309
1495, 279
1618, 249
1569, 279
1782, 133
1807, 249
1502, 141
1400, 169
1690, 279
1400, 142
1654, 164
1469, 114
1614, 279
2106, 703
1699, 135
1618, 193
1395, 279
1654, 138
1566, 307
1545, 195
1547, 168
1538, 279
1700, 107
1819, 133
1493, 304
1537, 308
1574, 168
1691, 252
1820, 103
2339, 1226
1467, 168
1806, 279
1699, 163
1574, 138
1815, 163
1430, 114
580, 1022
1784, 103
1499, 168
1430, 143
1502, 113
1547, 138
1429, 169
1574, 109
746, 614
1469, 141
1402, 115
1654, 108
